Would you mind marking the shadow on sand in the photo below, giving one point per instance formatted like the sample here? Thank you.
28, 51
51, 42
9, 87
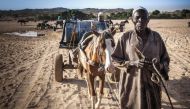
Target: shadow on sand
179, 91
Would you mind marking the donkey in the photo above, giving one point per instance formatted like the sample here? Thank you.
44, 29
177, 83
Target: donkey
95, 60
22, 21
59, 22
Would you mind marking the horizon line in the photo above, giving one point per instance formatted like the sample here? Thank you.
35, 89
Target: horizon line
93, 8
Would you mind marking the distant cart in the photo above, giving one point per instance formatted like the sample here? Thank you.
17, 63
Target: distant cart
73, 31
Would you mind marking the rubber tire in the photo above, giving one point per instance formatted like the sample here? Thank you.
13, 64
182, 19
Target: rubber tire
59, 68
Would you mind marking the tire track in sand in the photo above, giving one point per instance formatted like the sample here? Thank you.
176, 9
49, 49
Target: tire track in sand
27, 94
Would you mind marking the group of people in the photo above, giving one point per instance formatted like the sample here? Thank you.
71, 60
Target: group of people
134, 48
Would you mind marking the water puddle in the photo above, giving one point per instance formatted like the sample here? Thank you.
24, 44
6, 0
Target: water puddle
28, 34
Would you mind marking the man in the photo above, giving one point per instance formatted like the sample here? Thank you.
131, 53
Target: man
100, 17
136, 89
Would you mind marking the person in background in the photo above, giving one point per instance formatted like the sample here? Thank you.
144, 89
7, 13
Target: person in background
100, 17
136, 88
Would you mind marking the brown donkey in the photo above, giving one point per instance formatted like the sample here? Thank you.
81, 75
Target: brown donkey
95, 60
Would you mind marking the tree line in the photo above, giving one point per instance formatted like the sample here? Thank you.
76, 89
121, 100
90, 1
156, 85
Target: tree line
156, 14
178, 14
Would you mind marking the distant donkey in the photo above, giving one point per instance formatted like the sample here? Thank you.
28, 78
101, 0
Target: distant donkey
59, 22
44, 25
22, 21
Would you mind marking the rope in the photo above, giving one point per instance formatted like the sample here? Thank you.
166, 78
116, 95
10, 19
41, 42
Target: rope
112, 91
73, 36
159, 78
156, 78
116, 84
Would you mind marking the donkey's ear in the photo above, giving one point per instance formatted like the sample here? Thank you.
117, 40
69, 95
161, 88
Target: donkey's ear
110, 32
102, 40
113, 32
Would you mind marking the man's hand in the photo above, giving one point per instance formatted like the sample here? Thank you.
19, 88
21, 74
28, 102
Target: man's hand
137, 63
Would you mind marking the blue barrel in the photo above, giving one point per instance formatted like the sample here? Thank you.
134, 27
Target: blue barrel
81, 28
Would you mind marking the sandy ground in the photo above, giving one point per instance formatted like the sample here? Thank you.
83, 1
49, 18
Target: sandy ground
27, 69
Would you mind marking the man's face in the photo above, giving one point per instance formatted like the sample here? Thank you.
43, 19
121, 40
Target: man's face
140, 20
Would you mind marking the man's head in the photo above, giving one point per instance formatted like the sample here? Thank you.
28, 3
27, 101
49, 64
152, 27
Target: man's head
140, 18
100, 16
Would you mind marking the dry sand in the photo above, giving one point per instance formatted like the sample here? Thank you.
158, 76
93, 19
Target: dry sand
27, 69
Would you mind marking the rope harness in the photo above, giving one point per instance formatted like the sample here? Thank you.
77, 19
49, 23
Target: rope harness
113, 92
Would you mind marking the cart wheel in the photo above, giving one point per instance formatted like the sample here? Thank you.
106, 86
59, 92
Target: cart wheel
59, 68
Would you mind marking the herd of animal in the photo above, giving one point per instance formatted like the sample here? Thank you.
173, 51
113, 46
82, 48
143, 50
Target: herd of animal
45, 25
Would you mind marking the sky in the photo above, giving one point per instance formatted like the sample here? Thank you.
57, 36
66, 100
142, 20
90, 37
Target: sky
162, 5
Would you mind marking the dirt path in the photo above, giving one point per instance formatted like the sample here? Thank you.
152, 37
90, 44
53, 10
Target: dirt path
28, 79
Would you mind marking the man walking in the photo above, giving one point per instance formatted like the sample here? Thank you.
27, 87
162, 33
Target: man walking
136, 88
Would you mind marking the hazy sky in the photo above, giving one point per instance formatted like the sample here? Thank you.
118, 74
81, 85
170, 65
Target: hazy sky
164, 5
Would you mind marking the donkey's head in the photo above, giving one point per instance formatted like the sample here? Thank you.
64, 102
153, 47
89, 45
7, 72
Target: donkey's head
103, 48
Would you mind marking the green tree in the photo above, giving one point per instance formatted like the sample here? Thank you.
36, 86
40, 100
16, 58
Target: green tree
78, 14
184, 13
129, 13
156, 12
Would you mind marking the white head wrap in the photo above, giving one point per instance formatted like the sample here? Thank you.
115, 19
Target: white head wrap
100, 16
139, 8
